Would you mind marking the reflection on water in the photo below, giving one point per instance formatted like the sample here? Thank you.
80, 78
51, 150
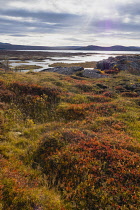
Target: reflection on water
86, 57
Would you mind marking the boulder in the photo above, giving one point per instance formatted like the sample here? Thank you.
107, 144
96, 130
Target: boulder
92, 73
105, 64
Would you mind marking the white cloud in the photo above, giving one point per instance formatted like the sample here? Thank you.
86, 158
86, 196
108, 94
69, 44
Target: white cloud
69, 22
70, 6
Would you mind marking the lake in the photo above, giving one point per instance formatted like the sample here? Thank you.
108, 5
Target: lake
86, 56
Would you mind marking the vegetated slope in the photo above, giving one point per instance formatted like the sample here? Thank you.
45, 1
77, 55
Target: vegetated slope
69, 142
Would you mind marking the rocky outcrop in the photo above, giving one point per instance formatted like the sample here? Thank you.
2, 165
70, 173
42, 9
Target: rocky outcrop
120, 63
79, 71
106, 63
112, 65
92, 73
64, 70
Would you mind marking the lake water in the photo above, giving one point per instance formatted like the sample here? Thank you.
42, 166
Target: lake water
87, 56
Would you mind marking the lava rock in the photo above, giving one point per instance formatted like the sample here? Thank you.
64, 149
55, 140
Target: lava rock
92, 73
131, 63
64, 70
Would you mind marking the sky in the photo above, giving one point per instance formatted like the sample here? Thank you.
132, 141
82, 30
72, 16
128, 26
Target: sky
70, 22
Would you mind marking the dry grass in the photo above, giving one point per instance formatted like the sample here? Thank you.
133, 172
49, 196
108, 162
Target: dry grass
84, 65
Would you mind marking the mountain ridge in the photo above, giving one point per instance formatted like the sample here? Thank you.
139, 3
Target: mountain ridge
8, 46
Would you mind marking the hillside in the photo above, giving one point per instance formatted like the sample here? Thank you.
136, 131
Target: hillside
112, 48
69, 142
8, 46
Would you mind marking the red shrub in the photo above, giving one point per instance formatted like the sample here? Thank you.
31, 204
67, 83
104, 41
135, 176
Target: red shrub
72, 111
120, 88
111, 71
99, 98
6, 96
2, 84
109, 94
26, 89
84, 87
129, 94
108, 109
96, 174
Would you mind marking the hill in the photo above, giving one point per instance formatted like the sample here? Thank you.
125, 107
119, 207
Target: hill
68, 142
112, 48
7, 46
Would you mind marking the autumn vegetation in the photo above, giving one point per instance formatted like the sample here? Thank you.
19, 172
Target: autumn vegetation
69, 143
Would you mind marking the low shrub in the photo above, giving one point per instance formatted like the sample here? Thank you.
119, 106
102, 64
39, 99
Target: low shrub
120, 89
109, 94
26, 89
95, 174
99, 98
108, 109
71, 111
129, 94
6, 95
78, 139
111, 71
84, 87
22, 189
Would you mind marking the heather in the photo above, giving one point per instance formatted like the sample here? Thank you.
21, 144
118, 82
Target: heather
69, 142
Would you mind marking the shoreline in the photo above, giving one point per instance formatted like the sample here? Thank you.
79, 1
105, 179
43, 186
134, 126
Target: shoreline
44, 54
22, 60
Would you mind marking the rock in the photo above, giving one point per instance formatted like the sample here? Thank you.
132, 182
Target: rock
105, 64
112, 65
64, 70
131, 63
92, 73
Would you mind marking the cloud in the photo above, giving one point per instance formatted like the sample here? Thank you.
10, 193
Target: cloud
18, 35
84, 21
131, 8
39, 22
41, 16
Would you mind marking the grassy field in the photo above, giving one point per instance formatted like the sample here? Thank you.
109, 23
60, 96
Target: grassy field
69, 143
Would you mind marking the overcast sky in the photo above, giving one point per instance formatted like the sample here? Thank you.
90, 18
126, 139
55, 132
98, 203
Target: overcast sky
70, 22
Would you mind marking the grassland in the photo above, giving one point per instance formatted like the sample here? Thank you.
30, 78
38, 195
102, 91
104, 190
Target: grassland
25, 67
91, 64
69, 142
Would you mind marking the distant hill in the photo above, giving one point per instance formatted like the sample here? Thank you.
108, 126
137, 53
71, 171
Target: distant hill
7, 46
112, 48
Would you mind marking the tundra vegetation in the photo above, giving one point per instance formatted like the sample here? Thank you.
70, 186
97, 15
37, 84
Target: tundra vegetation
69, 142
91, 64
25, 67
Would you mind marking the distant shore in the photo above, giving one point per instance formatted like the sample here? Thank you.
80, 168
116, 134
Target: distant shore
41, 55
40, 60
